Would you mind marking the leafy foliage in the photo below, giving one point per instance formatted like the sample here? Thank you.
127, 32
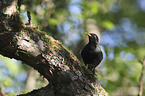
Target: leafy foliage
120, 23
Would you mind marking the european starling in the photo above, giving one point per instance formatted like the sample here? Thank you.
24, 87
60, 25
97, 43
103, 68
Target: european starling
91, 53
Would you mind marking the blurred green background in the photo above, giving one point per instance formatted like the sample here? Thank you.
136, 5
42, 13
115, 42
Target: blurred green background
120, 25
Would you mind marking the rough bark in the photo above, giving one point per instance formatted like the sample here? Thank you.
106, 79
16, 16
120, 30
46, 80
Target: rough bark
66, 75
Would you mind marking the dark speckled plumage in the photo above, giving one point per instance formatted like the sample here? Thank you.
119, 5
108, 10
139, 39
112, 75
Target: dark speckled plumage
91, 53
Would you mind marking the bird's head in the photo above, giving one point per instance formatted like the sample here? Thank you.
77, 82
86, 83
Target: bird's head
93, 38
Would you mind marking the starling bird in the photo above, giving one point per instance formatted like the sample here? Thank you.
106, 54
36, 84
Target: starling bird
91, 53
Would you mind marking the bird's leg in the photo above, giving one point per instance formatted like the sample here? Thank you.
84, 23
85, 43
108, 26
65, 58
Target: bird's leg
94, 70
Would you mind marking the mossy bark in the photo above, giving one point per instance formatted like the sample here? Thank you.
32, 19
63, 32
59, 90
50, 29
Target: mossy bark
66, 75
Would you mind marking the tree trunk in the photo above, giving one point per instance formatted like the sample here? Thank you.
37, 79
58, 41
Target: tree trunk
66, 75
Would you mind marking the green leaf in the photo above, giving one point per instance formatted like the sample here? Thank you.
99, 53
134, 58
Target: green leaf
94, 7
7, 82
52, 21
108, 24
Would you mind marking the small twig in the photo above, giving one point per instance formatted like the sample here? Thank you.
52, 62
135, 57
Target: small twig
141, 80
19, 2
2, 93
29, 17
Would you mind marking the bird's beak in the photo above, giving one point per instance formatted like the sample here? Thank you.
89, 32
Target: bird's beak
87, 33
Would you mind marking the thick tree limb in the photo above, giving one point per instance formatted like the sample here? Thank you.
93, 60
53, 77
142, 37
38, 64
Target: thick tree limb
141, 79
66, 75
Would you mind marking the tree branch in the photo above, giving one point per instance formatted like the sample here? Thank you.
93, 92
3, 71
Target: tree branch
66, 75
141, 79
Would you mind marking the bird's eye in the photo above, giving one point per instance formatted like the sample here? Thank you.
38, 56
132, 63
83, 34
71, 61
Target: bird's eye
95, 37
